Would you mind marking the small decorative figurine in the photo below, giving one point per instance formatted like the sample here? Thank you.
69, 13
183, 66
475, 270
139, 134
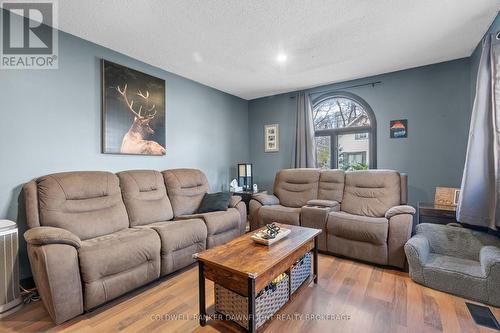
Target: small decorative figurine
272, 231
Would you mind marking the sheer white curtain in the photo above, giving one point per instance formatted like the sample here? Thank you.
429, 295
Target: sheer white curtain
479, 200
305, 151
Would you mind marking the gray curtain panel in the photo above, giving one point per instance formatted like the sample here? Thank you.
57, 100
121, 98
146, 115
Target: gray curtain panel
305, 150
479, 200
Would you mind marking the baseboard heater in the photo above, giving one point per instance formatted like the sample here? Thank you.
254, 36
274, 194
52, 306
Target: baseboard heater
10, 298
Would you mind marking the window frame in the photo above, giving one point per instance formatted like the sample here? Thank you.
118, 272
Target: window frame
357, 136
334, 132
354, 153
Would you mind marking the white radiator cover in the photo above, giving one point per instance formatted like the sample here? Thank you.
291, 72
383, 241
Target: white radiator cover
10, 298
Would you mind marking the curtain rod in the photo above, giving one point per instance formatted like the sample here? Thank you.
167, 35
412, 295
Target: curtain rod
341, 88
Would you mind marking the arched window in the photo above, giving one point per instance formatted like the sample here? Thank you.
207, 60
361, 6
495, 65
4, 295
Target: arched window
345, 130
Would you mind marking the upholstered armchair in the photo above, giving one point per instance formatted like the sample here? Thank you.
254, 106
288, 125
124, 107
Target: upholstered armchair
456, 260
373, 223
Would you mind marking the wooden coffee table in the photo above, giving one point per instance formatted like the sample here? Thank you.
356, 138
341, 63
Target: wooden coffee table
245, 267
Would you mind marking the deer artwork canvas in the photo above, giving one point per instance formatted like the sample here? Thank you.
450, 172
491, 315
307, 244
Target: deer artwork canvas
133, 111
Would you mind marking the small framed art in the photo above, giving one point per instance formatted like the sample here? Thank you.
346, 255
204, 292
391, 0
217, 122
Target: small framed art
271, 138
399, 129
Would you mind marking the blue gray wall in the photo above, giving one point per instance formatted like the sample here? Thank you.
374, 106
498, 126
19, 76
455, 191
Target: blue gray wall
51, 122
436, 101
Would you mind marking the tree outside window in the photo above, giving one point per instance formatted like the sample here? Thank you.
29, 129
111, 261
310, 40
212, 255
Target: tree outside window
345, 132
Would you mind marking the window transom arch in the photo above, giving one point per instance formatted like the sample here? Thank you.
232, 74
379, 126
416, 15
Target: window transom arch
345, 132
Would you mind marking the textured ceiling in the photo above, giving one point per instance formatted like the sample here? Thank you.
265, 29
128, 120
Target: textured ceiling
232, 45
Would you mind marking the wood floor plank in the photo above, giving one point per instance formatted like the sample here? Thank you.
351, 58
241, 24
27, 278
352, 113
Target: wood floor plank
432, 315
349, 297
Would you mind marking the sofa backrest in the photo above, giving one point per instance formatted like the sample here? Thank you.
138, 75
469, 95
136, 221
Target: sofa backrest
185, 188
87, 203
331, 185
371, 192
295, 187
145, 197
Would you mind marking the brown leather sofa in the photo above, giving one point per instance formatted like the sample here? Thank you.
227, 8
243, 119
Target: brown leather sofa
363, 214
94, 236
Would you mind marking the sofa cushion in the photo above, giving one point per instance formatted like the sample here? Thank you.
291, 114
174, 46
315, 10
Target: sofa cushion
369, 252
145, 197
359, 228
185, 188
117, 263
87, 203
457, 276
371, 193
280, 214
453, 265
217, 222
295, 187
117, 252
179, 241
331, 185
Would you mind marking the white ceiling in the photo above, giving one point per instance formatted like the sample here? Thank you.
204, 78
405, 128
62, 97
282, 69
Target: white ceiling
232, 45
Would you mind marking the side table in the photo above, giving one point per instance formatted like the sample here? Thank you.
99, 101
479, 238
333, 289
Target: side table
246, 196
438, 214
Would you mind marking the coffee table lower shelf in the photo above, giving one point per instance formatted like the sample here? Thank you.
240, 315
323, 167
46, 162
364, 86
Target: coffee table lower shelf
251, 308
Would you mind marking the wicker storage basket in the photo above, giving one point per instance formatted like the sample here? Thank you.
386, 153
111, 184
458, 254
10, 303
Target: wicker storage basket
267, 303
300, 271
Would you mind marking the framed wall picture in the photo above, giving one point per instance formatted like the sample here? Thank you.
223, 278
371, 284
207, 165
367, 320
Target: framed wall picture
446, 196
271, 138
399, 129
456, 197
133, 111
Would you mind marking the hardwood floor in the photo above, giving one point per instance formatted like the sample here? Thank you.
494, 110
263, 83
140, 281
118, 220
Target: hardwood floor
357, 298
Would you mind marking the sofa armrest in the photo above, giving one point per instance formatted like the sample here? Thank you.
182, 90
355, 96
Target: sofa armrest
417, 250
253, 214
51, 235
56, 272
234, 200
242, 209
418, 247
324, 203
400, 227
266, 199
397, 210
489, 256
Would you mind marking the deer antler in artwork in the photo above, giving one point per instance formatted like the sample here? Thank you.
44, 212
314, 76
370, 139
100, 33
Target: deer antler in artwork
146, 99
130, 104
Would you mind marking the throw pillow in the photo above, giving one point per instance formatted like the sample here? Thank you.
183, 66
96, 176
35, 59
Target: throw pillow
213, 202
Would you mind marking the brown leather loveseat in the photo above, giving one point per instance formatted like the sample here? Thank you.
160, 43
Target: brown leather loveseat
363, 214
94, 236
